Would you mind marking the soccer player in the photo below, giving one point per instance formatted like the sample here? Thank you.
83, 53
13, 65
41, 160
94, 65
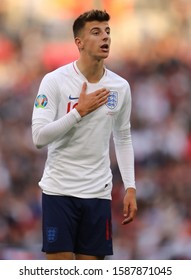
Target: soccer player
76, 110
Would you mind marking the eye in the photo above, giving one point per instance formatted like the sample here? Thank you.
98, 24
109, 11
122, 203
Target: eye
95, 32
108, 31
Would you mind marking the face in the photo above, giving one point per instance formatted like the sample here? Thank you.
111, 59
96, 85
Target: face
94, 40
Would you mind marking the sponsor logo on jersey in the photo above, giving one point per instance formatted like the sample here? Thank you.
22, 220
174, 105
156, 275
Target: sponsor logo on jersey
51, 234
112, 100
73, 103
71, 106
41, 101
73, 98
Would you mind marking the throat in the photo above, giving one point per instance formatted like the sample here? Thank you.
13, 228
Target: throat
93, 73
95, 77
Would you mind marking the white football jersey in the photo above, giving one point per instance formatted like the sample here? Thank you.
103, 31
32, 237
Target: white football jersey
78, 161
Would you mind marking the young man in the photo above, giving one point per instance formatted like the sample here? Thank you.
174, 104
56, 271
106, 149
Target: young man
77, 108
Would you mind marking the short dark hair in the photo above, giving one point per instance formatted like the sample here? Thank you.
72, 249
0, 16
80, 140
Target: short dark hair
92, 15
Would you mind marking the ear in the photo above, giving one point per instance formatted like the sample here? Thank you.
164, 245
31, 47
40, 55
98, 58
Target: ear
79, 43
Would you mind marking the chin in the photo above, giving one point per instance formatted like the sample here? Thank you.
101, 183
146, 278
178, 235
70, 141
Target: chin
105, 55
102, 56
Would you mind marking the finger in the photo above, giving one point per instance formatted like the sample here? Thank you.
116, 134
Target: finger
84, 87
103, 97
126, 209
127, 220
101, 92
128, 213
128, 217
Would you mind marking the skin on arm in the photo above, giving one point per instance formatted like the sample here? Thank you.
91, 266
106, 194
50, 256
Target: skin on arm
129, 206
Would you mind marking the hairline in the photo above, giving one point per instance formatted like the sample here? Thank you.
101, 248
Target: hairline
90, 16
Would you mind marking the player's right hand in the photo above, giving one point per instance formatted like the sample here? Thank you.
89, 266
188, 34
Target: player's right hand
91, 101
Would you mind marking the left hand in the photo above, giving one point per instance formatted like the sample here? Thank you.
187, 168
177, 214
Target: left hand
129, 206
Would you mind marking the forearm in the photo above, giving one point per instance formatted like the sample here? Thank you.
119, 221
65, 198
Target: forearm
44, 133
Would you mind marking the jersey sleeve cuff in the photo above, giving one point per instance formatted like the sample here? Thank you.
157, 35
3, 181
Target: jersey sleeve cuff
76, 114
129, 187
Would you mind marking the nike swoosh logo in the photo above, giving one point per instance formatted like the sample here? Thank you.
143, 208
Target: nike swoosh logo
73, 98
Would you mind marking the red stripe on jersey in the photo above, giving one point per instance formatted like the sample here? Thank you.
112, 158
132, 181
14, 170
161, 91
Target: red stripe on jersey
75, 69
107, 231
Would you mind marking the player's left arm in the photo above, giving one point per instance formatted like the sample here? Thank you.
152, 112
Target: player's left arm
125, 156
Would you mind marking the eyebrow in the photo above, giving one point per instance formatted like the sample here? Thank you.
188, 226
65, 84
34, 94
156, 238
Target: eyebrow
98, 28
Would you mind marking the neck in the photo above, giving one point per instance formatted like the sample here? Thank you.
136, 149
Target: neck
92, 70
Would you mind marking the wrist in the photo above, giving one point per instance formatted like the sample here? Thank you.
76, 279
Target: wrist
131, 190
80, 111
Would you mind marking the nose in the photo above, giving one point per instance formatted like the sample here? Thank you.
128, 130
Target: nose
106, 36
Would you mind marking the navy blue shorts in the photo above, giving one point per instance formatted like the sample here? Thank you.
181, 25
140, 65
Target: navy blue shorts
81, 226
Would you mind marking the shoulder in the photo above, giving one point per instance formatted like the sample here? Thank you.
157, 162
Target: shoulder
118, 82
117, 78
59, 73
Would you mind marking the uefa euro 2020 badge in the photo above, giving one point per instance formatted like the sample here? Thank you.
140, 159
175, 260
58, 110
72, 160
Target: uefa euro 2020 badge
41, 101
112, 100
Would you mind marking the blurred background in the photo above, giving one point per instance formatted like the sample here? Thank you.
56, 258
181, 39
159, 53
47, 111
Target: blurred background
151, 48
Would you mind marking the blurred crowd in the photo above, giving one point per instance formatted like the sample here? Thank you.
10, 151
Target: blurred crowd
161, 132
159, 73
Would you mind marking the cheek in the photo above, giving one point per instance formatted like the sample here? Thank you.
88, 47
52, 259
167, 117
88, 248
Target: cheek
88, 48
90, 44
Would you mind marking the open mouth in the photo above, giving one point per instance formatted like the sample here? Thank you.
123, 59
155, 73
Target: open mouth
105, 47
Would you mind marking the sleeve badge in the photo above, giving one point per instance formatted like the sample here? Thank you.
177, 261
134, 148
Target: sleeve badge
41, 101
